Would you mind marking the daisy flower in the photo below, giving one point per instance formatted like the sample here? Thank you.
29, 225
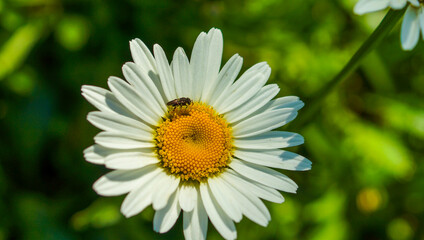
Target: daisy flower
413, 21
188, 137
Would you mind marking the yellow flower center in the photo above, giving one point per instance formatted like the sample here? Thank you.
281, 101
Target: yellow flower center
194, 142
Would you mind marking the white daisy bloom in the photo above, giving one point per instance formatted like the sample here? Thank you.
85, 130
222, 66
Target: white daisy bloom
189, 137
413, 21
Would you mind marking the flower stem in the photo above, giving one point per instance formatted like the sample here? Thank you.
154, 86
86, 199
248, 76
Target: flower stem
386, 25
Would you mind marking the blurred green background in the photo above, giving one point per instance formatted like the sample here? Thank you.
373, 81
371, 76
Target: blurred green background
366, 142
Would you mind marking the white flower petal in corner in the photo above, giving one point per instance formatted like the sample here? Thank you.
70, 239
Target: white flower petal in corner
413, 20
397, 4
410, 28
173, 133
367, 6
415, 3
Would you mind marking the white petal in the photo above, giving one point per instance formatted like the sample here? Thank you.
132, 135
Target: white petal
119, 182
367, 6
244, 89
251, 206
168, 184
141, 197
263, 122
144, 84
166, 217
205, 61
410, 33
257, 72
289, 102
165, 73
224, 197
188, 197
415, 3
132, 100
262, 191
270, 140
285, 102
212, 60
398, 4
195, 223
104, 100
257, 211
96, 154
197, 65
182, 74
256, 102
226, 78
145, 61
223, 224
142, 56
121, 125
130, 160
117, 141
264, 175
274, 158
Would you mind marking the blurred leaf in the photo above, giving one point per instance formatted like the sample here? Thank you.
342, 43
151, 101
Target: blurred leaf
11, 20
333, 201
320, 145
382, 152
400, 115
72, 32
399, 229
377, 74
286, 217
328, 213
101, 213
330, 231
22, 82
18, 46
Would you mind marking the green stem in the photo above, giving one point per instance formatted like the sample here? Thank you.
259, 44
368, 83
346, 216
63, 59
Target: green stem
389, 21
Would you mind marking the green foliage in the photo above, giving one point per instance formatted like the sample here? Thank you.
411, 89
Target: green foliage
72, 32
366, 141
17, 47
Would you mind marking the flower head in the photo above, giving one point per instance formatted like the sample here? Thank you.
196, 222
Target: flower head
189, 136
413, 21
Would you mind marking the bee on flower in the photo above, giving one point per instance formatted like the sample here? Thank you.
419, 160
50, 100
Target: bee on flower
193, 138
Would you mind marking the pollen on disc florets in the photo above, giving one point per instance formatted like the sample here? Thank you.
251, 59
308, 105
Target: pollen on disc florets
193, 142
